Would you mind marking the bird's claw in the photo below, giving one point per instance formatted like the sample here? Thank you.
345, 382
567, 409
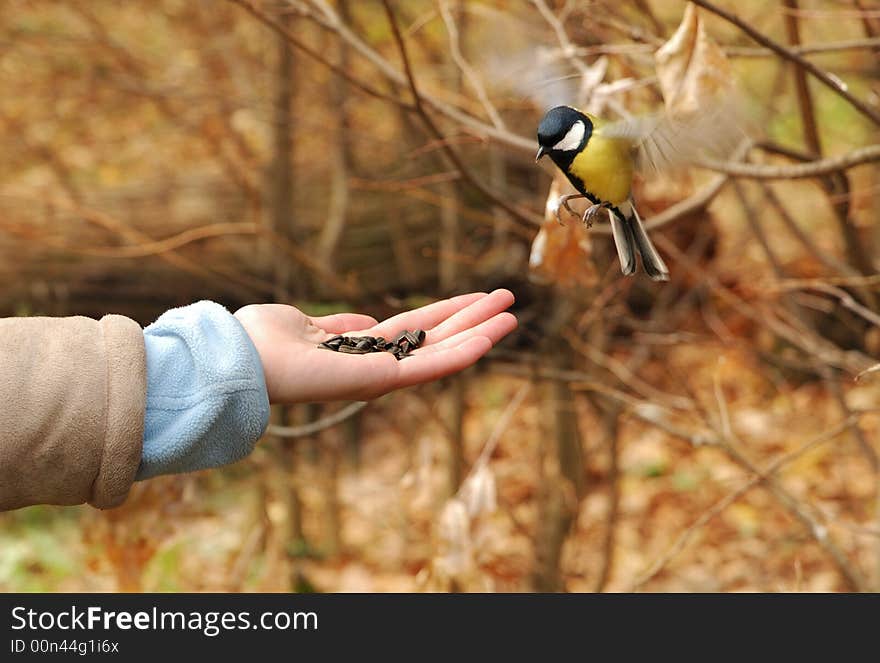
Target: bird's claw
592, 212
568, 207
563, 202
557, 215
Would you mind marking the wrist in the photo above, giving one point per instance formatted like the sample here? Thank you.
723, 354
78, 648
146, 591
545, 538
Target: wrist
206, 395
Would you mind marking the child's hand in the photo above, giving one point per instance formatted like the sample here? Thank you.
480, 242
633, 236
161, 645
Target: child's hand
459, 330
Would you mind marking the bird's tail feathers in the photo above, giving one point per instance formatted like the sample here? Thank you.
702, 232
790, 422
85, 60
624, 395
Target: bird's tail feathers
625, 243
630, 237
651, 260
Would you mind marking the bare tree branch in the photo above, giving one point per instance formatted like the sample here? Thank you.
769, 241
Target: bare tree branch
317, 426
329, 20
523, 217
857, 157
468, 71
312, 53
826, 79
684, 537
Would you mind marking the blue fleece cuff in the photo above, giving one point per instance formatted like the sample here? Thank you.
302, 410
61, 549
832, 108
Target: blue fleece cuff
207, 403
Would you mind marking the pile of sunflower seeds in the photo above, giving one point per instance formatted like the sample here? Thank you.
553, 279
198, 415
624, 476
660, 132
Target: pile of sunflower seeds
400, 346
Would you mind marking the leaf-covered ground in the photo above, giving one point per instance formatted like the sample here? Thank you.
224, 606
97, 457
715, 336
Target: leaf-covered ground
230, 530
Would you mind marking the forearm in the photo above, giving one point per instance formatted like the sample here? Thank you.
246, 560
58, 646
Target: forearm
72, 395
90, 406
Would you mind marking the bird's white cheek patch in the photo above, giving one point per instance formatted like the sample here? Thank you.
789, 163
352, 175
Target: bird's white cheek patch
572, 140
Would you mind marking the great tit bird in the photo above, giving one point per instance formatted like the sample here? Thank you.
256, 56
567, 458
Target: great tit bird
598, 158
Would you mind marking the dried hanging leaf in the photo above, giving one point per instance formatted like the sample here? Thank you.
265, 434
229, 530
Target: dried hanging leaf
702, 116
561, 253
693, 71
455, 552
479, 492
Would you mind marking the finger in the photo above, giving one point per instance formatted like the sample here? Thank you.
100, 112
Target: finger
339, 323
426, 316
425, 368
471, 316
495, 328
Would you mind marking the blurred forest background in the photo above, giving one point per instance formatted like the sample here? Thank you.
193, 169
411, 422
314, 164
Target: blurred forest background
707, 434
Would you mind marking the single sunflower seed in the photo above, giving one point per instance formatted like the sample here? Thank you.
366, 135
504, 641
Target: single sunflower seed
352, 350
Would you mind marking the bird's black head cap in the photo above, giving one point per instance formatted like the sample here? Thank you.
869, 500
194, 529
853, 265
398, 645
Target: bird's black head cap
559, 135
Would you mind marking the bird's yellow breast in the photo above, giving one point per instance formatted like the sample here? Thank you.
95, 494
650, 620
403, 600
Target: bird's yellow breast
605, 166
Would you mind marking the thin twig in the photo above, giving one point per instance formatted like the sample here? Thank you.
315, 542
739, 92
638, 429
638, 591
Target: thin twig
854, 281
821, 368
826, 79
523, 217
718, 388
682, 540
846, 300
464, 66
568, 48
625, 375
805, 98
501, 425
834, 14
247, 285
871, 32
312, 53
808, 342
317, 426
807, 49
830, 261
612, 431
167, 247
329, 20
644, 51
817, 531
838, 181
157, 247
818, 168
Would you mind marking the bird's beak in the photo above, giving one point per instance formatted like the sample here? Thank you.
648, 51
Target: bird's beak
540, 153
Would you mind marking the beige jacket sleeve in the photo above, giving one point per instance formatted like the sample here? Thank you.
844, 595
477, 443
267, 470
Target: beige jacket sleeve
72, 399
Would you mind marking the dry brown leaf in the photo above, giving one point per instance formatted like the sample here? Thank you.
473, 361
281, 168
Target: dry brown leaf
561, 253
692, 69
479, 492
455, 550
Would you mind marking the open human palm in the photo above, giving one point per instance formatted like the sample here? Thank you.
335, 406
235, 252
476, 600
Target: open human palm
460, 330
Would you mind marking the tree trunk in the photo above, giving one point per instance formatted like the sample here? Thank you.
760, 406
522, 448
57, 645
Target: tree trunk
280, 177
341, 157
